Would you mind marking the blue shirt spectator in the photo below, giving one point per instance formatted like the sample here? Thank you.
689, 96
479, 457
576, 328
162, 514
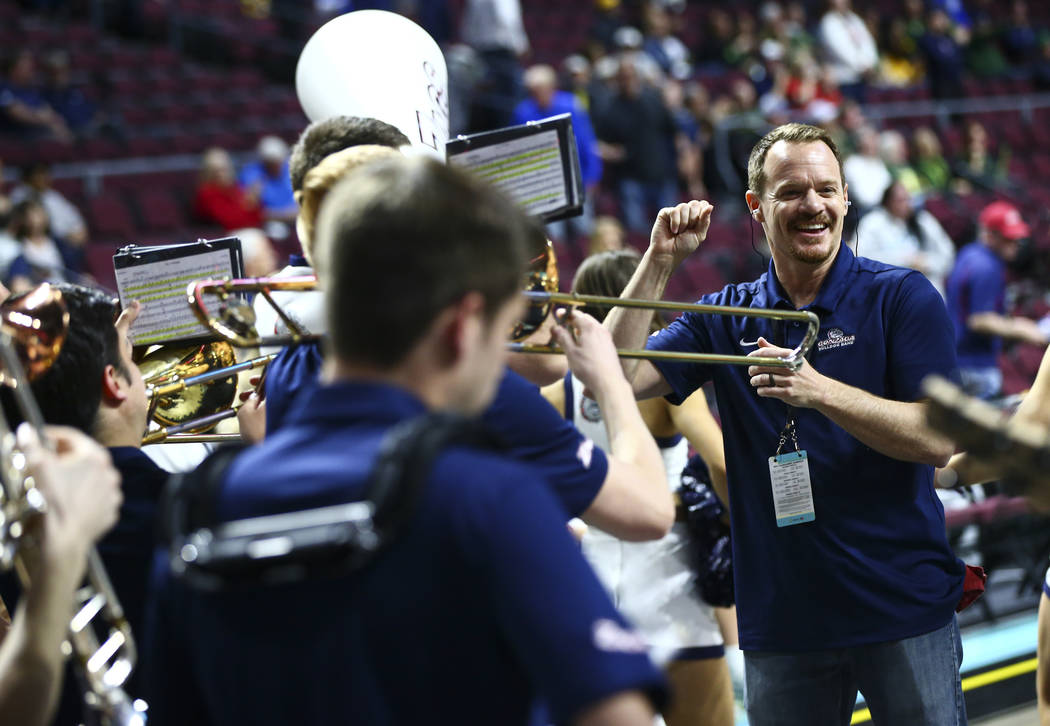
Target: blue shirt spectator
546, 100
268, 179
977, 285
976, 292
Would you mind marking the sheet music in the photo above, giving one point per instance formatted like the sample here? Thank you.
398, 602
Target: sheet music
529, 170
160, 286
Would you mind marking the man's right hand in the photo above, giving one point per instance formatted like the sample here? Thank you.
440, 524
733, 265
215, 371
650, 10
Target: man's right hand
678, 232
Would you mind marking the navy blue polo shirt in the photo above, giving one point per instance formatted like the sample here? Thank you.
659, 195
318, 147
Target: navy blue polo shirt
977, 284
875, 565
483, 606
519, 417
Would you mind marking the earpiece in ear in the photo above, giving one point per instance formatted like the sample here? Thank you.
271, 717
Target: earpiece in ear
754, 213
849, 203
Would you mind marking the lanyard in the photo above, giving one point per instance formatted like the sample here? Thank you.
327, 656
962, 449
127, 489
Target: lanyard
790, 430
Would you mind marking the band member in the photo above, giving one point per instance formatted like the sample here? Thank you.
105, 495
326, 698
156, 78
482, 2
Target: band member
95, 387
625, 492
82, 491
652, 583
483, 604
844, 576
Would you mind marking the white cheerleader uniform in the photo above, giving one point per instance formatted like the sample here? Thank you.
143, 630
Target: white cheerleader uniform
651, 583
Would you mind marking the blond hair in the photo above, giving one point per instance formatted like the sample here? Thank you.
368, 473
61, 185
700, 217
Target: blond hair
322, 178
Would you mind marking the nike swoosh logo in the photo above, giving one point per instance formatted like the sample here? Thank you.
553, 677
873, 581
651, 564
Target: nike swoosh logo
747, 344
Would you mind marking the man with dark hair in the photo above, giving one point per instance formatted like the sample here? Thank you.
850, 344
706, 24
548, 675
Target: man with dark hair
482, 603
624, 493
330, 135
844, 576
317, 141
94, 386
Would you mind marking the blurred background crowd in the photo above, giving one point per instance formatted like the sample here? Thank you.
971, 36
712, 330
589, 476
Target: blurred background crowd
153, 121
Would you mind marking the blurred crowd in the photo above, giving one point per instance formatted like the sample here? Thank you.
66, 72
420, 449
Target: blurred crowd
666, 96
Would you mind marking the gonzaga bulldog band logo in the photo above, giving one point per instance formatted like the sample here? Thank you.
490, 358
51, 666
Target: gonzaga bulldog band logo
836, 339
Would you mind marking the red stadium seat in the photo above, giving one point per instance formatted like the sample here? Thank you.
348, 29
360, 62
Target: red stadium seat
109, 218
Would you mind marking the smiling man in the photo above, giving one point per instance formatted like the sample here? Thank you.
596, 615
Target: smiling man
844, 577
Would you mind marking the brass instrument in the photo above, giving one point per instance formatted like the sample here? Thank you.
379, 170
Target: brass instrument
196, 393
31, 334
793, 361
234, 321
226, 322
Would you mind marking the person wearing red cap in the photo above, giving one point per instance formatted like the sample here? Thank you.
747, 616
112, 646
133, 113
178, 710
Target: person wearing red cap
975, 296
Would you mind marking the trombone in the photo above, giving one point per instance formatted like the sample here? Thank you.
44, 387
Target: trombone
792, 361
31, 335
195, 416
231, 320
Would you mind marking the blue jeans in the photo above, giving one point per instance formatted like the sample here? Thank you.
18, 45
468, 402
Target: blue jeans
913, 681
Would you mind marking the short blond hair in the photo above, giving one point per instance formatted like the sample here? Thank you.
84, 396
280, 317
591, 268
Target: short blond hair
322, 178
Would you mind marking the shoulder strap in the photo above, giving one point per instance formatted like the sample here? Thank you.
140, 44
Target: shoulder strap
326, 541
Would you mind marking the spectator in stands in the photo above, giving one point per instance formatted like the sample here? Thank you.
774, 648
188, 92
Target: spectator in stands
844, 129
976, 291
546, 100
580, 82
633, 133
494, 29
898, 233
976, 166
894, 151
743, 48
607, 18
900, 64
943, 55
41, 257
77, 110
218, 199
719, 32
660, 43
848, 48
984, 56
1020, 39
783, 34
23, 110
66, 222
811, 91
935, 175
914, 14
267, 180
609, 235
1041, 67
866, 172
688, 153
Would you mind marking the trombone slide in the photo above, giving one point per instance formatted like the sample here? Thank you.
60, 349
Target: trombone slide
793, 361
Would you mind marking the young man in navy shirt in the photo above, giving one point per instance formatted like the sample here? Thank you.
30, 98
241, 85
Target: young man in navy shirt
975, 294
844, 577
483, 604
622, 493
95, 386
